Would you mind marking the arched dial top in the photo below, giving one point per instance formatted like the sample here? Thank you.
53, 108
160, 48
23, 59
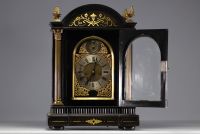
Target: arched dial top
93, 70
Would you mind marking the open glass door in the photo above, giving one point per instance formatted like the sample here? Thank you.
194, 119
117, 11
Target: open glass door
145, 69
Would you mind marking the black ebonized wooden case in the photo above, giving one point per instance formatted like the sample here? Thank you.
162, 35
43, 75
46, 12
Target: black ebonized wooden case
117, 112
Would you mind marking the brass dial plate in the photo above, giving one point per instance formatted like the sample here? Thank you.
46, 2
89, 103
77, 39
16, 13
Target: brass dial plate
93, 70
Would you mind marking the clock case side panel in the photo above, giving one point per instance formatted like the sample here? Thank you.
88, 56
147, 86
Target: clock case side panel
161, 38
71, 36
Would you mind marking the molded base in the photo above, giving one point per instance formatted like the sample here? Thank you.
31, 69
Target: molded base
124, 122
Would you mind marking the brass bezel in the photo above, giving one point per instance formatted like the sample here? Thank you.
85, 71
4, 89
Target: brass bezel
112, 70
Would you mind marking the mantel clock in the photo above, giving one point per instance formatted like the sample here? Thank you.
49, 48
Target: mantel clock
98, 76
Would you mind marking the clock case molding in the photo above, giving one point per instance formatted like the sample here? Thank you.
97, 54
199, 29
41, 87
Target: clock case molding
113, 28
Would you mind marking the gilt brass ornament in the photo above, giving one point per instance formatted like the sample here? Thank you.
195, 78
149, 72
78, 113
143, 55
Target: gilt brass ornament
93, 121
56, 14
128, 14
92, 19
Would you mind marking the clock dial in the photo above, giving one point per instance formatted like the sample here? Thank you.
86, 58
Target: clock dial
93, 72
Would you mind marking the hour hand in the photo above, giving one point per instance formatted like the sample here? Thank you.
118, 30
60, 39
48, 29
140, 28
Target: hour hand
88, 80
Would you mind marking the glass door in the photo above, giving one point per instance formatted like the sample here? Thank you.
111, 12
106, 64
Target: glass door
145, 69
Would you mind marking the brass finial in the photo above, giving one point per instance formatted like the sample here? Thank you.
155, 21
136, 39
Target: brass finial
56, 14
128, 14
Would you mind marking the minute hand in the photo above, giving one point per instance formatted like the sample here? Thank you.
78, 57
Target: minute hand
94, 70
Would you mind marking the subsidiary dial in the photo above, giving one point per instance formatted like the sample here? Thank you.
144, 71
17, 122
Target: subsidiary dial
93, 46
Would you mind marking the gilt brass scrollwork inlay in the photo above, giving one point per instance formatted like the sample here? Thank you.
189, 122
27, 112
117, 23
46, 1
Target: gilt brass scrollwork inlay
92, 19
